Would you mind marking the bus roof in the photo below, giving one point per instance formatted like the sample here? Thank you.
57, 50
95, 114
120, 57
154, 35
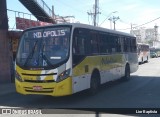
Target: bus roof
87, 27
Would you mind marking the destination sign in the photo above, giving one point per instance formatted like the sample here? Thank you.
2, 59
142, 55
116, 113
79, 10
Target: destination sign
53, 33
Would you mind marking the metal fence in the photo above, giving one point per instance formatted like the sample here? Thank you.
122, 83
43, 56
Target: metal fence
44, 6
12, 18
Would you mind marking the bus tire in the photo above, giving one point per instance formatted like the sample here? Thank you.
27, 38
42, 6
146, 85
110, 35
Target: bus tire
94, 83
142, 60
127, 73
147, 60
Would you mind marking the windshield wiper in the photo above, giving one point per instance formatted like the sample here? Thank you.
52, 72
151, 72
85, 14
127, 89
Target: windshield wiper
45, 58
30, 54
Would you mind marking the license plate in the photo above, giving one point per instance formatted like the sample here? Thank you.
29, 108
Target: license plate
37, 88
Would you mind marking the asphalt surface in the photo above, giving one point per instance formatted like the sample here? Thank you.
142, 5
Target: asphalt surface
140, 92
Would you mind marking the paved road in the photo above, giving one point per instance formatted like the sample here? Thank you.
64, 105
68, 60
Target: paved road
141, 91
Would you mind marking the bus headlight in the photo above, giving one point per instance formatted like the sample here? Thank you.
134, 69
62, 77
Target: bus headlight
63, 75
18, 77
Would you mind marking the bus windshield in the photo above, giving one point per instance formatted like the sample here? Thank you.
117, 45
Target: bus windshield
42, 48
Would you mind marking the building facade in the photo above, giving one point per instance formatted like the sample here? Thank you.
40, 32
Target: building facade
149, 35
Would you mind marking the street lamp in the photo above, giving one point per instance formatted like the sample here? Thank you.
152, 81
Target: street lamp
110, 19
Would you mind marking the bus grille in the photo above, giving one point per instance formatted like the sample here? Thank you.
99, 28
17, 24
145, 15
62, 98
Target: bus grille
39, 81
38, 91
44, 90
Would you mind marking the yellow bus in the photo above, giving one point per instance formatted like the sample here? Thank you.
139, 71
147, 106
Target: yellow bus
64, 59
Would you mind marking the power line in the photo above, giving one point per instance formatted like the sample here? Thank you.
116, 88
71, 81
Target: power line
107, 17
70, 6
142, 24
124, 22
147, 22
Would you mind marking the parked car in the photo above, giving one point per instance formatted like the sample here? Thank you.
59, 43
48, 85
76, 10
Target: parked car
153, 54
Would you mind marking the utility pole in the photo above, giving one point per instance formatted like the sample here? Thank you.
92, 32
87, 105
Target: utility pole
5, 55
155, 36
156, 32
132, 28
53, 14
109, 19
95, 13
114, 21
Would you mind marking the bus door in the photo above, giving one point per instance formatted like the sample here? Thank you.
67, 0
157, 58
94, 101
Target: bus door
81, 76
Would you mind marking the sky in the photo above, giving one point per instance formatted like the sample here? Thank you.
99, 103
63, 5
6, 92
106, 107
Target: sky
139, 13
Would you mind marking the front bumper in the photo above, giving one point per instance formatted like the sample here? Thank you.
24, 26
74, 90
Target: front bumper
54, 89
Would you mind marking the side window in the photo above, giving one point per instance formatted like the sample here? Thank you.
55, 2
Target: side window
94, 41
79, 42
78, 45
118, 44
133, 45
127, 44
147, 47
112, 43
103, 43
139, 48
109, 43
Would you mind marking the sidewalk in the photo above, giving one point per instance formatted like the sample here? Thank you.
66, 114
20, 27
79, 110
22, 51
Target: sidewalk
7, 88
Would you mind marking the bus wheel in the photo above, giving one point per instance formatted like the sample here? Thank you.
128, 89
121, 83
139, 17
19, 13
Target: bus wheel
95, 83
127, 73
142, 60
147, 60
